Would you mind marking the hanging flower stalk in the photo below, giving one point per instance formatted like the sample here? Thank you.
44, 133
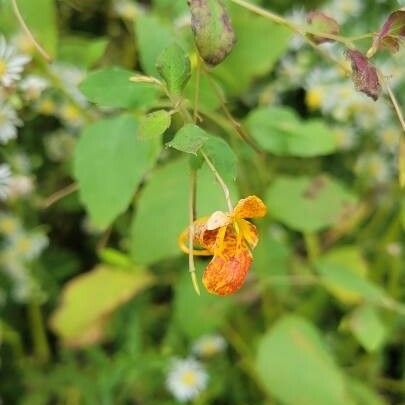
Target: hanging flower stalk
230, 239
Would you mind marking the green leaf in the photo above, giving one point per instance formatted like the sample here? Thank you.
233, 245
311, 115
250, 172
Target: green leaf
343, 279
111, 87
197, 315
368, 328
362, 394
308, 204
294, 365
154, 124
105, 288
174, 67
260, 44
223, 158
279, 130
162, 211
152, 36
81, 51
190, 139
109, 164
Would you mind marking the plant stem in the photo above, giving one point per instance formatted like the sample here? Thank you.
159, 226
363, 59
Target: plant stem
192, 216
60, 194
312, 246
220, 181
28, 32
38, 334
298, 30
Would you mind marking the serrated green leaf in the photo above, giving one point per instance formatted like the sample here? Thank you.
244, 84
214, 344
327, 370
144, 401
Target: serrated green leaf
111, 87
279, 130
308, 204
190, 139
174, 67
152, 36
222, 156
162, 211
105, 288
289, 347
109, 164
154, 124
260, 44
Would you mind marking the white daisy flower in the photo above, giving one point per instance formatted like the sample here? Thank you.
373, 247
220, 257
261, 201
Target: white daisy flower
33, 86
186, 379
394, 249
5, 178
9, 122
59, 146
11, 63
9, 225
209, 345
373, 167
20, 186
342, 10
126, 9
28, 246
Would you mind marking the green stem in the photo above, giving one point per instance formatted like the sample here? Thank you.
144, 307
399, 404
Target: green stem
38, 334
312, 246
192, 215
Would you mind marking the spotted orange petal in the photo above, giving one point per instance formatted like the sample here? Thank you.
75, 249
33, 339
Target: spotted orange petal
249, 232
250, 207
224, 275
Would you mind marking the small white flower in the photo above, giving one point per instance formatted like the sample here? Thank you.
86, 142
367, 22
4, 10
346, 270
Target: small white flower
343, 10
20, 186
59, 146
209, 345
394, 249
8, 123
5, 177
28, 246
186, 379
9, 225
33, 86
126, 9
373, 167
11, 63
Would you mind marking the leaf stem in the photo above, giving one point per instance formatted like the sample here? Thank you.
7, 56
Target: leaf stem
39, 340
192, 216
28, 32
220, 181
60, 194
298, 30
312, 246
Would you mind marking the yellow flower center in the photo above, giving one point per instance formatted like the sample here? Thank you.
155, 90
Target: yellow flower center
70, 113
314, 98
8, 226
3, 67
23, 245
47, 107
189, 378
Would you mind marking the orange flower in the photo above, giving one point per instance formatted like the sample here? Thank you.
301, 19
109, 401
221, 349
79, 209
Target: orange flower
229, 237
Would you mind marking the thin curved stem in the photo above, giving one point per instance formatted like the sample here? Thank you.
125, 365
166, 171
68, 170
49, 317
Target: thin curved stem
58, 195
220, 180
192, 215
26, 29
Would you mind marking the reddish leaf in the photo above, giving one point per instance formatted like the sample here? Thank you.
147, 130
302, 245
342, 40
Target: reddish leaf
391, 33
320, 22
364, 74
